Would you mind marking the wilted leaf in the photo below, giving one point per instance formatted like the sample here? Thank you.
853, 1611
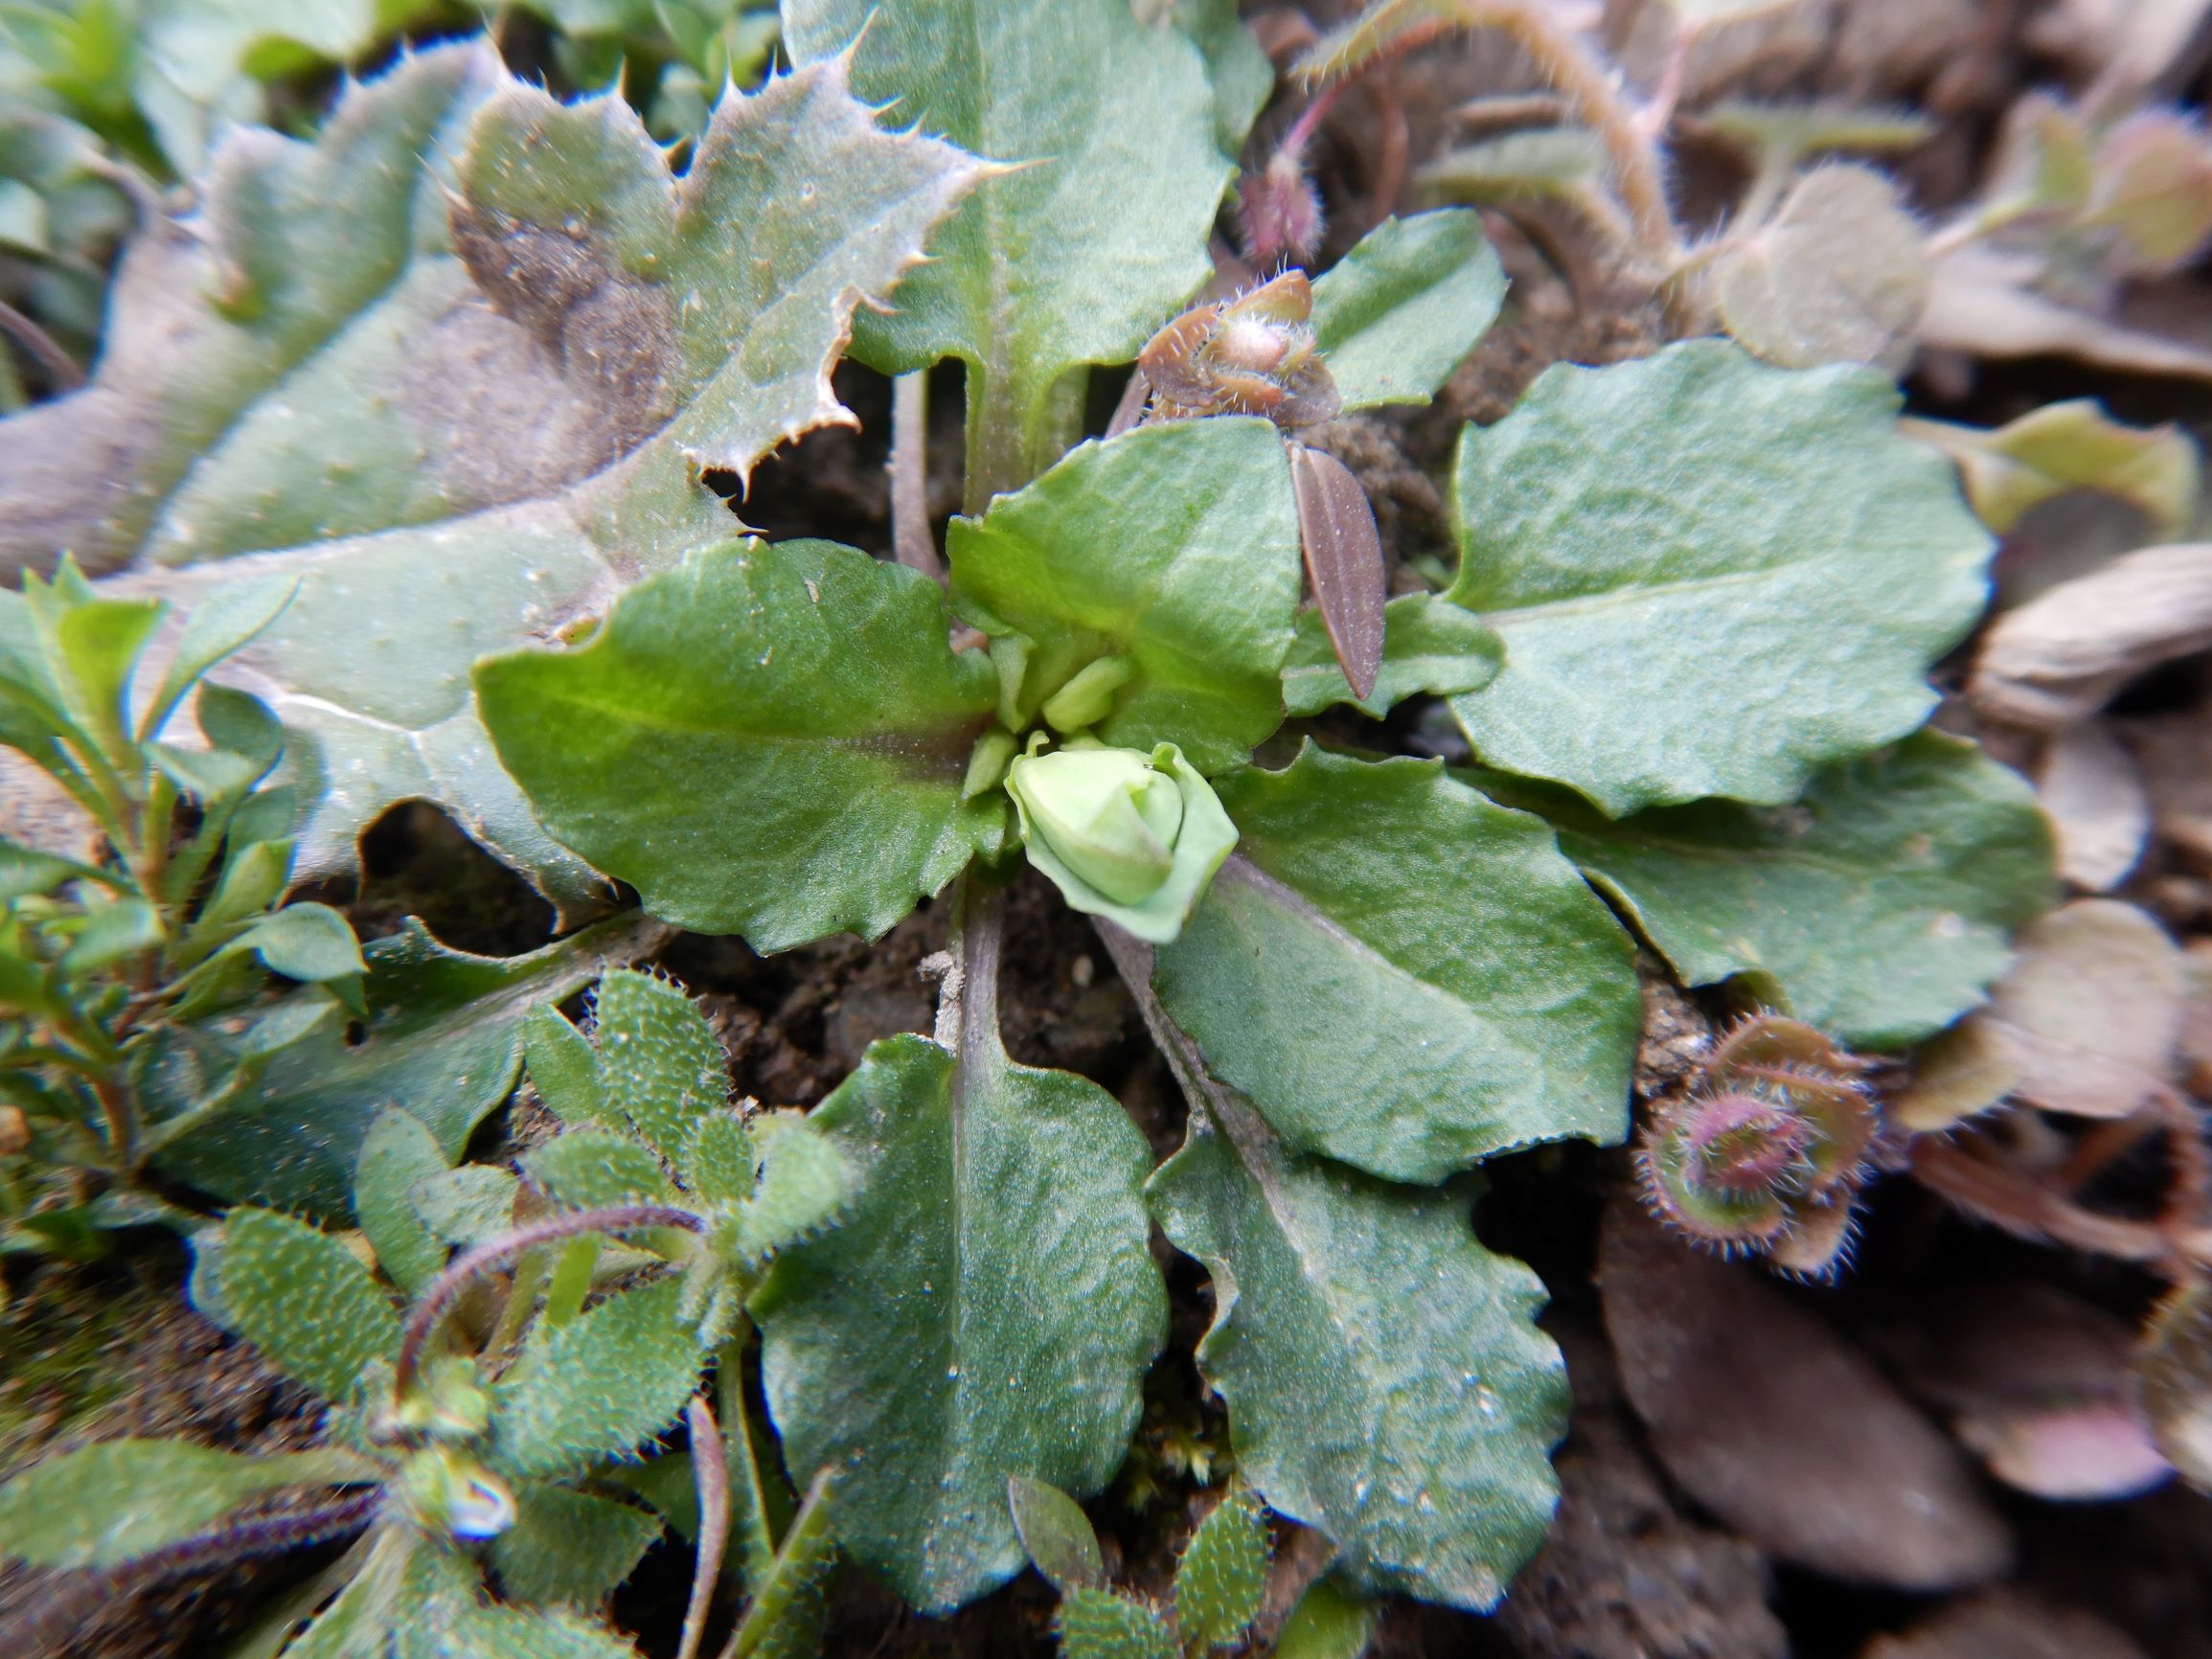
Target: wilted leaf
986, 1309
2096, 799
1753, 1403
1410, 1026
1785, 133
1980, 303
2071, 445
1385, 1380
767, 740
1072, 259
2059, 657
105, 1504
1428, 645
1393, 317
1711, 575
2006, 1622
2154, 185
443, 1040
1837, 276
280, 382
1878, 907
1343, 551
2174, 1381
1196, 585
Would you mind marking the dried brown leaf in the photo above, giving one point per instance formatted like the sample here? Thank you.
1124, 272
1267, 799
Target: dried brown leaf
1837, 276
2096, 801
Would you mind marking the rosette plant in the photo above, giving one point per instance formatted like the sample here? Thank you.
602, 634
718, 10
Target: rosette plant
1685, 652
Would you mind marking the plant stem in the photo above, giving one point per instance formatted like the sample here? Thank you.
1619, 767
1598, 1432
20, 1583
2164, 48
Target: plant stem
710, 1469
976, 950
495, 1254
1014, 433
910, 537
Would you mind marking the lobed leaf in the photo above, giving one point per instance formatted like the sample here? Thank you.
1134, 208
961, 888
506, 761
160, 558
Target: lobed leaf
105, 1503
768, 740
278, 384
1878, 907
1386, 1383
986, 1309
599, 1387
304, 1300
1076, 254
1394, 317
1403, 975
1711, 577
1196, 585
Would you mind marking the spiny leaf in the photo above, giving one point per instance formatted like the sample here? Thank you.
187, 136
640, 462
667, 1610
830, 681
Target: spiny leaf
397, 1154
659, 1059
280, 382
599, 1387
769, 741
444, 1039
1878, 908
1057, 1534
304, 1299
592, 1168
1102, 1625
1711, 575
1223, 1575
1394, 316
1076, 257
569, 1546
1385, 1380
105, 1504
986, 1309
1406, 1027
1197, 585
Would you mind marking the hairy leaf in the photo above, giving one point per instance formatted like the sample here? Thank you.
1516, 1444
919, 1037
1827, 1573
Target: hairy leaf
785, 1621
467, 1205
1385, 1381
1711, 575
446, 1616
105, 1504
453, 366
1394, 317
592, 1168
397, 1154
1196, 585
660, 1061
986, 1309
768, 740
1073, 258
442, 1040
1407, 1023
1223, 1575
304, 1300
569, 1546
1428, 645
1878, 907
1105, 1625
599, 1387
804, 1182
564, 1068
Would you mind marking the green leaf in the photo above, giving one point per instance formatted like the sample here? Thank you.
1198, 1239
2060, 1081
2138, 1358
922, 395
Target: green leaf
1055, 1534
1073, 258
306, 941
717, 1165
599, 1387
785, 1621
593, 1169
1327, 1624
1878, 908
659, 1061
1223, 1575
397, 1154
105, 1503
986, 1309
805, 1184
1396, 316
469, 1205
25, 870
1196, 585
1103, 1625
219, 625
769, 741
563, 1065
281, 381
304, 1300
1242, 78
1385, 1380
443, 1040
1403, 975
569, 1546
1712, 577
1428, 645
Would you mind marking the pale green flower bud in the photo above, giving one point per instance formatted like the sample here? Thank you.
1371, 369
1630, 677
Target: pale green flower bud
1122, 834
450, 1491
